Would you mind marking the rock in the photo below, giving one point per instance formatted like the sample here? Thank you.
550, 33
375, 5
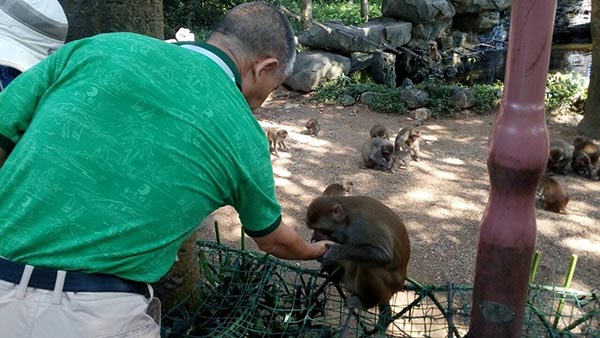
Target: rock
478, 22
383, 68
407, 83
431, 30
414, 97
360, 61
347, 100
476, 6
368, 97
418, 11
314, 67
364, 38
462, 98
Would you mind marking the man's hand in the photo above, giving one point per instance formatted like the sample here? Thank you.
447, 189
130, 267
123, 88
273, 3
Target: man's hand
286, 243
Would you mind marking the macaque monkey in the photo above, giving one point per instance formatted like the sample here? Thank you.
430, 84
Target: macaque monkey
336, 189
434, 53
585, 156
402, 154
554, 195
276, 138
379, 130
410, 137
560, 155
313, 127
421, 115
377, 153
371, 253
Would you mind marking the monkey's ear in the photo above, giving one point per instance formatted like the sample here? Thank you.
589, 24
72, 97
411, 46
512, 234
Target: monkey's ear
338, 212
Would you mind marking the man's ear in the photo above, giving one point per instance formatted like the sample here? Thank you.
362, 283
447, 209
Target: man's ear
265, 66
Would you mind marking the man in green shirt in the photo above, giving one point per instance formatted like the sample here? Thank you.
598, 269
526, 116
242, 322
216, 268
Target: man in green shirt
113, 149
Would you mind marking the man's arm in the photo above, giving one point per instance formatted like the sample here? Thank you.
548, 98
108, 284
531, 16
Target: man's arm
286, 243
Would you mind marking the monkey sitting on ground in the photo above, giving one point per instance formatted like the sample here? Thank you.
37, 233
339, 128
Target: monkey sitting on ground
377, 153
379, 130
336, 189
276, 138
371, 252
313, 127
553, 194
412, 138
559, 156
585, 156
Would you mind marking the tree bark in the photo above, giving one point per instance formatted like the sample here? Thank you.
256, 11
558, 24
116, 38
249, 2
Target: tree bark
306, 12
364, 9
590, 125
91, 17
180, 283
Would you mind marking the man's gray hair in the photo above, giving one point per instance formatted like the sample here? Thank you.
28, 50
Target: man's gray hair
260, 30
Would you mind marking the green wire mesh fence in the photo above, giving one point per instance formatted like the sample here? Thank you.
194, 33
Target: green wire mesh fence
247, 294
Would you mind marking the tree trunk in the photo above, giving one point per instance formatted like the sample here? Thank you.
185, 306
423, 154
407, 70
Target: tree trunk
306, 12
91, 17
590, 125
364, 9
180, 283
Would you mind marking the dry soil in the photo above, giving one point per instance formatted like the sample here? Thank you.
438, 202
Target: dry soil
441, 198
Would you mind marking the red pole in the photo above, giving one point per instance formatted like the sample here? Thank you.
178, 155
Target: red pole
517, 155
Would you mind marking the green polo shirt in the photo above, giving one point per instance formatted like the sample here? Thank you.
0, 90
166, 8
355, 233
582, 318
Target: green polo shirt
123, 144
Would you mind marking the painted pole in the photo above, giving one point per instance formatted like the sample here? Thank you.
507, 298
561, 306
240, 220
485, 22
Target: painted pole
517, 155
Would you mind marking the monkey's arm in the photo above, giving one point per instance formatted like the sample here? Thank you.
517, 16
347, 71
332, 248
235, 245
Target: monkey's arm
361, 253
286, 243
378, 159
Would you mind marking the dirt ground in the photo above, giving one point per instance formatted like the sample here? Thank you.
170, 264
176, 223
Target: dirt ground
440, 198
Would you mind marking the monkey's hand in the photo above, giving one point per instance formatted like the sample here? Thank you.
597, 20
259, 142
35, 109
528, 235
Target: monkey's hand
329, 259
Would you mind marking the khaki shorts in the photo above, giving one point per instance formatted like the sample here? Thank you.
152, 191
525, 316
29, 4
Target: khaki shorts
31, 313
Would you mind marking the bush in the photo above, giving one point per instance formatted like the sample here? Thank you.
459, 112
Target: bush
439, 92
487, 96
563, 92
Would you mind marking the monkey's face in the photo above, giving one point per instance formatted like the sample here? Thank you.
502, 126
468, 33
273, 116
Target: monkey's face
282, 134
326, 218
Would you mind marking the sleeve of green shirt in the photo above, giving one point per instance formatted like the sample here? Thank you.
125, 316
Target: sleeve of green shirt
18, 101
256, 203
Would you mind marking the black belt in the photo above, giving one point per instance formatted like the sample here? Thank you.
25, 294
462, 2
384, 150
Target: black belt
75, 281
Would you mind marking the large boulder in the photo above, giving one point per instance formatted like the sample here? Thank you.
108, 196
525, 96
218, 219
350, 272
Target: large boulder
432, 30
364, 38
477, 22
315, 67
476, 6
417, 11
414, 97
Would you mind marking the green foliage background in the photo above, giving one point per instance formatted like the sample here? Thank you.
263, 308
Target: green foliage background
200, 15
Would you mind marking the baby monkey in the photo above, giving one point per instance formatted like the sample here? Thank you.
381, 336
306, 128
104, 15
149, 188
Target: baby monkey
554, 195
276, 138
313, 127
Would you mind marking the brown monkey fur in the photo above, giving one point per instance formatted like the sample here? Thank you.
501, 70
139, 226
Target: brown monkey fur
313, 127
410, 137
377, 153
554, 195
276, 138
372, 248
379, 130
559, 156
585, 156
336, 189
